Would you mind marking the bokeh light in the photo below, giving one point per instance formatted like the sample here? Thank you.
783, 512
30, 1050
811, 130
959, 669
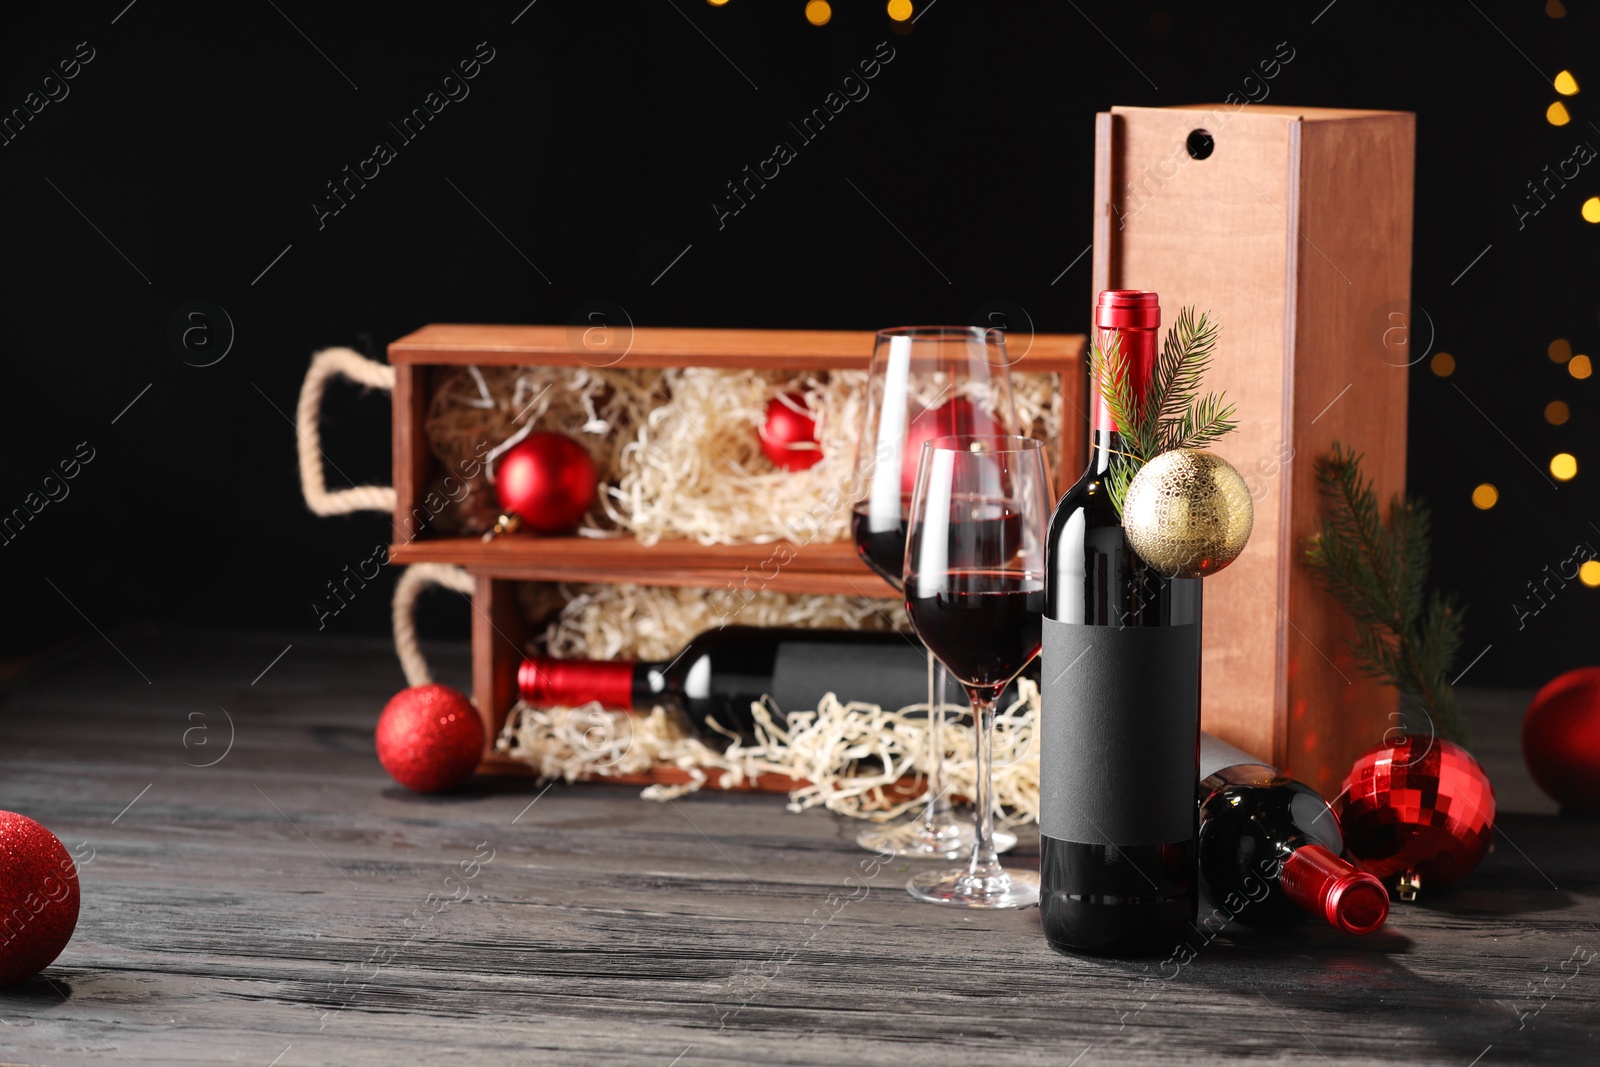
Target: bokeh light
1563, 465
1555, 9
716, 3
1578, 367
1556, 413
1560, 350
1485, 497
1589, 573
1566, 84
818, 12
1557, 115
899, 10
1591, 209
1443, 364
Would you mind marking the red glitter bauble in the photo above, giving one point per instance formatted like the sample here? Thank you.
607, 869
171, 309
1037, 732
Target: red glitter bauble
429, 738
789, 436
1561, 739
38, 897
547, 480
1417, 809
955, 416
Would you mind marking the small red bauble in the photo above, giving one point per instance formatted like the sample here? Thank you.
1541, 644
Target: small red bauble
1418, 808
953, 417
429, 738
1561, 739
38, 897
789, 436
547, 480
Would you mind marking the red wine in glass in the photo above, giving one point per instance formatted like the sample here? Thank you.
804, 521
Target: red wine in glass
884, 551
984, 624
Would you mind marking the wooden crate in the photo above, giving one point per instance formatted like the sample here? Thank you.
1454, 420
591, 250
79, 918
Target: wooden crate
1296, 232
498, 630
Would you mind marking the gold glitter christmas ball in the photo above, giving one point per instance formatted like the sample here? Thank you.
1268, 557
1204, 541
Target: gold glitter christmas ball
1188, 513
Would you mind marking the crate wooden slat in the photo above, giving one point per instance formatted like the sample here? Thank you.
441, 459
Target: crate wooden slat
498, 630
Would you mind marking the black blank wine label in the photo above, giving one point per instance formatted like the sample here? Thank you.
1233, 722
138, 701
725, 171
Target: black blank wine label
1118, 733
890, 676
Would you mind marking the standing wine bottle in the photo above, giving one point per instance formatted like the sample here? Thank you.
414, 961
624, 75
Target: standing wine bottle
720, 673
1269, 848
1120, 722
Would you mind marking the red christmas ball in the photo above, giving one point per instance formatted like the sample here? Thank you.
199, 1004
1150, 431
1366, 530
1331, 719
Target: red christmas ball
955, 416
548, 481
789, 436
1418, 808
429, 738
38, 897
1561, 739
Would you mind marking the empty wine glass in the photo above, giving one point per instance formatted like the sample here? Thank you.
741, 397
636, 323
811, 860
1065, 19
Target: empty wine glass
924, 382
974, 586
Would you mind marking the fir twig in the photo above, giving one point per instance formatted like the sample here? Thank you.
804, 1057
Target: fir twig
1404, 636
1172, 414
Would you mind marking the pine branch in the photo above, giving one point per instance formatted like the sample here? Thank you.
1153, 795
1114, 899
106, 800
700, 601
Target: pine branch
1378, 575
1171, 414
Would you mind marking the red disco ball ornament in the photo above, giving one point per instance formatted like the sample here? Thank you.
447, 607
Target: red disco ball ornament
548, 481
38, 897
1417, 809
953, 417
429, 738
1561, 739
789, 436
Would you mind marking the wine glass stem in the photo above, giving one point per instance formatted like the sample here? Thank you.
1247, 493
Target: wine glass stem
938, 811
985, 861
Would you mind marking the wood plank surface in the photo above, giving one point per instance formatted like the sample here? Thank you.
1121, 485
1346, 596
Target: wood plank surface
781, 567
658, 346
254, 911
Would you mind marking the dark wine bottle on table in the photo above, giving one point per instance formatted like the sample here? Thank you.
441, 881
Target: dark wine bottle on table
1269, 848
1120, 721
720, 673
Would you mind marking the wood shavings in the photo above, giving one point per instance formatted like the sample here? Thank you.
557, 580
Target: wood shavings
678, 450
849, 753
655, 622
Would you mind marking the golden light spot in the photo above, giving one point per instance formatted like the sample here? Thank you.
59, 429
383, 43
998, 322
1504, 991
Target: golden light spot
1485, 497
1557, 115
1555, 9
818, 12
1578, 367
1443, 364
1560, 350
1563, 465
899, 10
716, 3
1556, 413
1566, 84
1591, 209
1589, 574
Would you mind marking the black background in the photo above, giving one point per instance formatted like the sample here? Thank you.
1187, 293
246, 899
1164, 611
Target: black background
197, 138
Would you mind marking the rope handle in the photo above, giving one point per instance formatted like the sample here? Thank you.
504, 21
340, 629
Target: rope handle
351, 364
417, 577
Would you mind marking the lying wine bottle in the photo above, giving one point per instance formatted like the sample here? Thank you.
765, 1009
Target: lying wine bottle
1269, 848
720, 673
1120, 718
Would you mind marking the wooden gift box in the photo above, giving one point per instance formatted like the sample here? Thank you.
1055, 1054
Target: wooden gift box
1295, 231
498, 629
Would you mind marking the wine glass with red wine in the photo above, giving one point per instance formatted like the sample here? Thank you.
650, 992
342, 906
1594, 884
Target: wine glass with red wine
974, 586
925, 382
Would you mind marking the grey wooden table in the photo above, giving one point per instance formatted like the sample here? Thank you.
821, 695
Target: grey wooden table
288, 905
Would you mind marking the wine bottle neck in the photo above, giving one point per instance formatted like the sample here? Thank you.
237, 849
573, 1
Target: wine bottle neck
567, 683
1325, 885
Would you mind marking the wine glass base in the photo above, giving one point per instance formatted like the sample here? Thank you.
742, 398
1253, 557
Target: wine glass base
960, 889
915, 840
